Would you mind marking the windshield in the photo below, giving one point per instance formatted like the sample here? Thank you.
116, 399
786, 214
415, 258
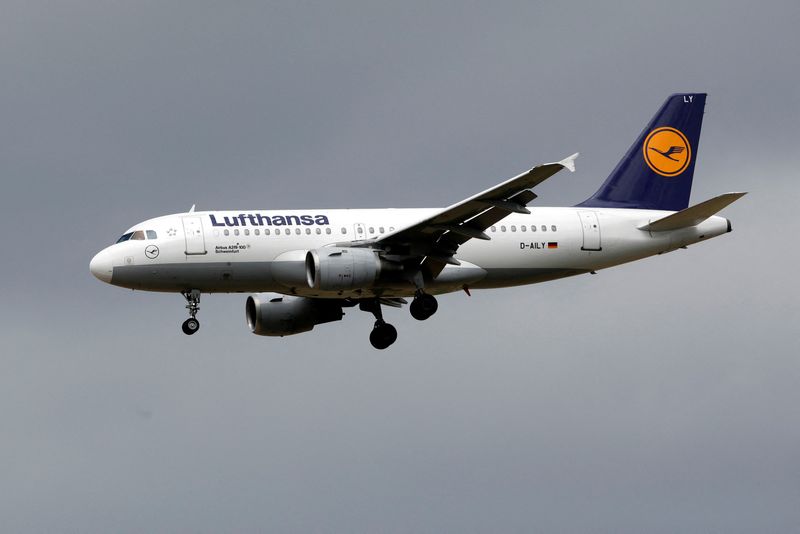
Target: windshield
138, 235
125, 237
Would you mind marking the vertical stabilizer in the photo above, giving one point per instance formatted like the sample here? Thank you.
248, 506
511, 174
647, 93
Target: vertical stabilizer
656, 172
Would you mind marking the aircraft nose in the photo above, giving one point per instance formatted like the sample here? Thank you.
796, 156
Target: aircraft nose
101, 266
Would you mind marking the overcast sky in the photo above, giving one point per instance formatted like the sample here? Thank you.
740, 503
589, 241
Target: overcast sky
660, 396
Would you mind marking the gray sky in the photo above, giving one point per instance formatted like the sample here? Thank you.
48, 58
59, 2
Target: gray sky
659, 396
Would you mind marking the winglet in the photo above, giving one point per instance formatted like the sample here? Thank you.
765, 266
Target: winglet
569, 162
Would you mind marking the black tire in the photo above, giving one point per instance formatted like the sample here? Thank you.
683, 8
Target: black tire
382, 336
423, 307
190, 326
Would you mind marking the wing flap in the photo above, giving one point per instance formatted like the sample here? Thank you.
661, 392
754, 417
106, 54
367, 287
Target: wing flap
431, 243
503, 192
447, 230
480, 211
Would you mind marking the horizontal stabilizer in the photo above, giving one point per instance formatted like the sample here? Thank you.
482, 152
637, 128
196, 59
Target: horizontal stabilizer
693, 215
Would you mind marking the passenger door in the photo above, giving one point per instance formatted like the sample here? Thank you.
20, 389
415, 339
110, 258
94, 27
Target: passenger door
591, 230
195, 240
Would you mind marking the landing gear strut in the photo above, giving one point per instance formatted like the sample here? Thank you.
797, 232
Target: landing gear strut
191, 325
423, 306
383, 334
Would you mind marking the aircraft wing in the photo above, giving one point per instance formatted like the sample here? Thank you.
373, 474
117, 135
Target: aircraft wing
433, 242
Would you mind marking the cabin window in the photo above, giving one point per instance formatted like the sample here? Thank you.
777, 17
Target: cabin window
257, 231
266, 231
553, 228
494, 228
380, 229
319, 231
297, 231
124, 237
544, 228
502, 228
227, 232
308, 231
513, 228
236, 232
327, 231
151, 234
523, 228
246, 231
391, 228
359, 230
371, 230
344, 230
533, 228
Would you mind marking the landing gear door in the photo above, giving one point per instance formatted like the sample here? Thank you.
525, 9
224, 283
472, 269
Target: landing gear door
591, 230
193, 230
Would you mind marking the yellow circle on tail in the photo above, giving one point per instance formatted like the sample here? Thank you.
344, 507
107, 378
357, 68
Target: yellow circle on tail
667, 151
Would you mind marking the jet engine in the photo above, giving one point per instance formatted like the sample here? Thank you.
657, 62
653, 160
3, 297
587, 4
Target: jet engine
339, 268
271, 314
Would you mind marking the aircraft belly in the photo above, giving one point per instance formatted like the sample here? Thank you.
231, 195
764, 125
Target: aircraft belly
208, 277
510, 277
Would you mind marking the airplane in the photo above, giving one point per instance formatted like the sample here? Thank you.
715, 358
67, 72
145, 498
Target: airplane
305, 267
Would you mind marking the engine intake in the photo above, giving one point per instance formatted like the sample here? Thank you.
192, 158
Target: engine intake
272, 314
339, 268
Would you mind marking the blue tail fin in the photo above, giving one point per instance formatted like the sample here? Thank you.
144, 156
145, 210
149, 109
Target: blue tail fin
656, 172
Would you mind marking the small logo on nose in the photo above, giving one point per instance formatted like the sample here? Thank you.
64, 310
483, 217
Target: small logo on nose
151, 252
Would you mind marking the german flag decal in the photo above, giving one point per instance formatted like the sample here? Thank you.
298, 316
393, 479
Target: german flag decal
552, 244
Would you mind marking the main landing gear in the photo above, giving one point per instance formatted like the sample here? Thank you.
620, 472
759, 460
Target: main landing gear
383, 334
423, 306
191, 325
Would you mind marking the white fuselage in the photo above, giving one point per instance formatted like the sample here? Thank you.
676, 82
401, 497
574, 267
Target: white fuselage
263, 251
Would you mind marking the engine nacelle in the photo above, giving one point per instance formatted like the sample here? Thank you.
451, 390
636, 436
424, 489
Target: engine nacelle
340, 268
272, 314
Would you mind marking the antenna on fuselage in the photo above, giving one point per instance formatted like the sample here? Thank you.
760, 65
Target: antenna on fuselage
191, 210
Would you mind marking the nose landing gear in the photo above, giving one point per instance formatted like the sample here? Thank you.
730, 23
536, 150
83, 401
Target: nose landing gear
191, 325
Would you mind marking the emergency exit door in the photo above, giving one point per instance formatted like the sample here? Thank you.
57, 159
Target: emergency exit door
360, 230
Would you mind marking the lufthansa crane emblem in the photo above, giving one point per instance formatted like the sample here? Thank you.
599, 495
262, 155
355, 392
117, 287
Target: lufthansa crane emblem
667, 151
151, 252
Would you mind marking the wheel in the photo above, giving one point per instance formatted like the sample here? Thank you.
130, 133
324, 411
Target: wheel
383, 335
423, 307
190, 326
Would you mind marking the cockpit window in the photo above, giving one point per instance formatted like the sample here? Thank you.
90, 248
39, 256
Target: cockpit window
138, 235
125, 237
151, 234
